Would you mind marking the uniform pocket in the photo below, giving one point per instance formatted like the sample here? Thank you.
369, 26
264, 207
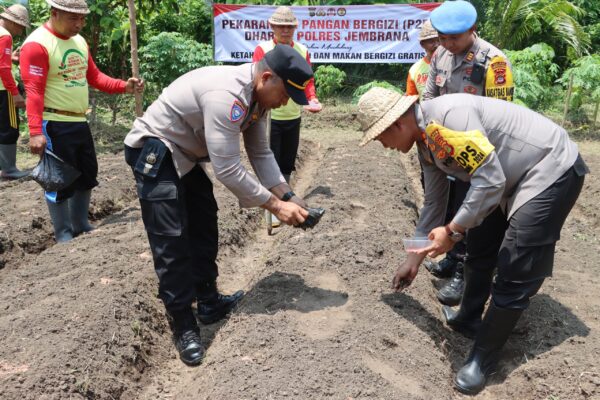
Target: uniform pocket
161, 212
536, 236
151, 157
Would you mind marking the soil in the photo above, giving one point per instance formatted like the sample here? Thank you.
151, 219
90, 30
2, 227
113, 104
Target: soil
81, 320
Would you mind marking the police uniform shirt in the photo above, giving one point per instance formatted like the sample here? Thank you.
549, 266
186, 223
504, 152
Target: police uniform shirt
450, 73
199, 117
508, 153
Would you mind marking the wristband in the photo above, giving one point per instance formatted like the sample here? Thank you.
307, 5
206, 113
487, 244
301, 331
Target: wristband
288, 196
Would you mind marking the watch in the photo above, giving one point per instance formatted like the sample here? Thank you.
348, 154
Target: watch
454, 235
287, 196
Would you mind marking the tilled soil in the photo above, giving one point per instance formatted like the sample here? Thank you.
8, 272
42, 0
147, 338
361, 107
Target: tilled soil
82, 320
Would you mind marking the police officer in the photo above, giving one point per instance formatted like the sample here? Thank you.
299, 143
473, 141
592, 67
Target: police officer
464, 63
525, 175
197, 118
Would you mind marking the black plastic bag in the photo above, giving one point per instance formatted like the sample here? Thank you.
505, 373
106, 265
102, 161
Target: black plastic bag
53, 174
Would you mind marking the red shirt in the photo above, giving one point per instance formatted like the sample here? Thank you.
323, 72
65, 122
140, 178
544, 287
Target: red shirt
6, 65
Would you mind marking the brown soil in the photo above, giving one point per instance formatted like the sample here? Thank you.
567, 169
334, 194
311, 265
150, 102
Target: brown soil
82, 320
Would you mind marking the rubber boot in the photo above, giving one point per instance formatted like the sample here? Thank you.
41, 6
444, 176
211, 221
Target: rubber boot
61, 221
79, 205
186, 336
495, 330
467, 319
8, 160
451, 293
444, 268
214, 306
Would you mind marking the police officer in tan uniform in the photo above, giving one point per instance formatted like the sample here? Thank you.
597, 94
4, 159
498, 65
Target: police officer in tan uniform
198, 118
525, 175
464, 63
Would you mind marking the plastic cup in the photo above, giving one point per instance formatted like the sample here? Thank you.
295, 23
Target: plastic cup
416, 244
313, 107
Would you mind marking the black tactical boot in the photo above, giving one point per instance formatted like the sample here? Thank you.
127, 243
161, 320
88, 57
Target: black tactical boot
495, 330
214, 306
186, 336
451, 293
467, 319
442, 269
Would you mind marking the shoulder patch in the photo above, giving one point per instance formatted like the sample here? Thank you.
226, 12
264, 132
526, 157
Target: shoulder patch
499, 80
238, 111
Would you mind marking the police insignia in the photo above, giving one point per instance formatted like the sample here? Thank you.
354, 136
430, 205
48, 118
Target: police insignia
499, 80
470, 56
470, 89
238, 111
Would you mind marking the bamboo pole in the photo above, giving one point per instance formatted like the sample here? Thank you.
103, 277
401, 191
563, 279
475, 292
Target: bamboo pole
135, 66
595, 115
568, 99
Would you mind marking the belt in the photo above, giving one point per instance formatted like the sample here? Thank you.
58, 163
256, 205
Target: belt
67, 113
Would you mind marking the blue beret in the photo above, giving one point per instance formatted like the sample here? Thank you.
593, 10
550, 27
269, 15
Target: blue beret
454, 17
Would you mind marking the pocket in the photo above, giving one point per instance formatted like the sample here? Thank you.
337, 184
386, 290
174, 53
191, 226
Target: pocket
151, 158
536, 236
161, 212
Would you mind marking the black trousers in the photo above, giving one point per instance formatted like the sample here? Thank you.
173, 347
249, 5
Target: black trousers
522, 248
285, 139
456, 196
180, 217
9, 119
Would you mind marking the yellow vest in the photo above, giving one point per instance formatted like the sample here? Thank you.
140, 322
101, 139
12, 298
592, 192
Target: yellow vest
66, 86
291, 110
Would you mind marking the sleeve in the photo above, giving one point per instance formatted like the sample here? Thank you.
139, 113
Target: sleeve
261, 157
223, 144
488, 180
6, 65
259, 53
34, 68
431, 90
411, 88
310, 90
437, 187
101, 81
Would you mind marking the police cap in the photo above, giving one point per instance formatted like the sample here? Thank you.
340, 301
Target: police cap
292, 68
454, 17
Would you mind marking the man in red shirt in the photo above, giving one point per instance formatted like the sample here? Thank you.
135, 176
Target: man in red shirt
57, 67
13, 22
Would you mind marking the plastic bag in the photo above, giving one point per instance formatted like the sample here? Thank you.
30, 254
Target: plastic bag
53, 174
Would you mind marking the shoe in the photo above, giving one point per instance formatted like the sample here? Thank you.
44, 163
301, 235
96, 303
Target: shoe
442, 269
495, 330
214, 306
61, 221
451, 293
186, 336
79, 205
8, 159
467, 319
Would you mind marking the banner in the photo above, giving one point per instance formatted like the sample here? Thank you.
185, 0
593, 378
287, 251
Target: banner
332, 34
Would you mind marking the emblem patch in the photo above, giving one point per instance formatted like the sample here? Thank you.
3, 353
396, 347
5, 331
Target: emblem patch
238, 111
499, 80
470, 56
470, 89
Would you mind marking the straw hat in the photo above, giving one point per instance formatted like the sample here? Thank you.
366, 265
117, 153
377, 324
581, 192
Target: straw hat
283, 16
378, 109
427, 32
72, 6
17, 14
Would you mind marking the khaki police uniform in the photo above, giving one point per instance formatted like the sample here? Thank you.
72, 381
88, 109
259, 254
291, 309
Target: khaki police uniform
483, 70
525, 175
199, 117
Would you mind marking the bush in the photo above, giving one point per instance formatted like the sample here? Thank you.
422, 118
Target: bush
328, 80
365, 88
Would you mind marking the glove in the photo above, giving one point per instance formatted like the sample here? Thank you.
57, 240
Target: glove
314, 216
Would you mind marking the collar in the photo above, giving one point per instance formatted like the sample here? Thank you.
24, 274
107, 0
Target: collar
275, 41
58, 35
419, 117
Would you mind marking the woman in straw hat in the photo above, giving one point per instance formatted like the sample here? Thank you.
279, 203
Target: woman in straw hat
57, 68
523, 186
13, 21
285, 120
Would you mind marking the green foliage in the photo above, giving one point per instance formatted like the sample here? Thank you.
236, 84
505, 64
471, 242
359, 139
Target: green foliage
586, 84
328, 80
366, 87
534, 72
170, 55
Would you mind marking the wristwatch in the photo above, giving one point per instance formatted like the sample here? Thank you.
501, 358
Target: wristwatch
287, 196
453, 235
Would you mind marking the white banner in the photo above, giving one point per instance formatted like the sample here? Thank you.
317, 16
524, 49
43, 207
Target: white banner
333, 34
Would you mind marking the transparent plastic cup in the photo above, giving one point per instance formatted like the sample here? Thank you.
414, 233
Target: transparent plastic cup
415, 244
313, 106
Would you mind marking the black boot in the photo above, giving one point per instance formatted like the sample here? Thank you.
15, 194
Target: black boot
495, 330
186, 336
214, 306
442, 269
467, 319
451, 293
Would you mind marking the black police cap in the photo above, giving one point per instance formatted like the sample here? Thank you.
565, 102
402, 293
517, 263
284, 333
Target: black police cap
292, 68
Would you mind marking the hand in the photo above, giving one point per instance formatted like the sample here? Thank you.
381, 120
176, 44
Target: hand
19, 101
314, 106
290, 213
441, 243
37, 144
298, 200
405, 274
134, 85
